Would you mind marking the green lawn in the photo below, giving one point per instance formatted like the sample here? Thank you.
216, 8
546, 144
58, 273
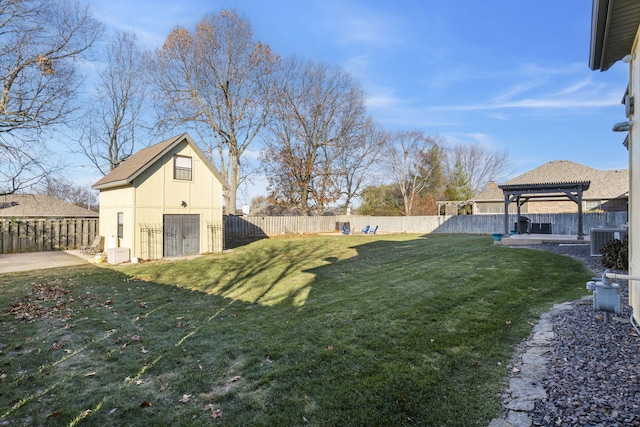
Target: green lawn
310, 331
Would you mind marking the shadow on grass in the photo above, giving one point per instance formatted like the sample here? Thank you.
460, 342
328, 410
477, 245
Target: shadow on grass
342, 330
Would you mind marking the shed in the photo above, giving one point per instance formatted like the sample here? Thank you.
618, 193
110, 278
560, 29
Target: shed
164, 201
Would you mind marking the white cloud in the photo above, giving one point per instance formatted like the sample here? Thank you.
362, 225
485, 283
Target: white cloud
540, 103
586, 83
347, 23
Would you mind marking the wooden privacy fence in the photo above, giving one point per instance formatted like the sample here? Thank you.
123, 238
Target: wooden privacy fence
38, 235
237, 227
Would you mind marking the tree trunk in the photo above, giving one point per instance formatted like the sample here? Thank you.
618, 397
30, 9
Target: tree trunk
233, 184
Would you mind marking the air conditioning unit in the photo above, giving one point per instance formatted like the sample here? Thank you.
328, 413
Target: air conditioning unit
600, 236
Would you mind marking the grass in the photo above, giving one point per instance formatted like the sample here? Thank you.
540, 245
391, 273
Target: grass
318, 331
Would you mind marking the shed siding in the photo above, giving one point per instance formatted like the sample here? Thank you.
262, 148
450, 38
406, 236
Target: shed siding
155, 193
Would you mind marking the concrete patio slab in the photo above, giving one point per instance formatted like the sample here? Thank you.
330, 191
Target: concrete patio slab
10, 263
538, 239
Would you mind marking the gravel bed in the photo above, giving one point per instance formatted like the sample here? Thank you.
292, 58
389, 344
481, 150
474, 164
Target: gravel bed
593, 374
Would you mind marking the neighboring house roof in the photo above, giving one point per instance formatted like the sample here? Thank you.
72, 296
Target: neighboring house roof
614, 24
131, 168
604, 184
40, 206
491, 194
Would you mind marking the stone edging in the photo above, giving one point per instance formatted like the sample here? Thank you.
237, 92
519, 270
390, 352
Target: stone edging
529, 369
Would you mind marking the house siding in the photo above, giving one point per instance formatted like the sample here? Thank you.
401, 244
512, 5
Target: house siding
113, 201
634, 188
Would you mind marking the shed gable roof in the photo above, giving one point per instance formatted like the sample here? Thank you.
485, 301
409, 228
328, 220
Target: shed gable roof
135, 165
40, 206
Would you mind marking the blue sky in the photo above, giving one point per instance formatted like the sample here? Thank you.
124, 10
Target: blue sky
511, 75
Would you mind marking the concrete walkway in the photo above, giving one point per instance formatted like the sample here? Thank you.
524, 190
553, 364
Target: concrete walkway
10, 263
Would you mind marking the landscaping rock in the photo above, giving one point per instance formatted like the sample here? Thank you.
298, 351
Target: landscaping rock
590, 375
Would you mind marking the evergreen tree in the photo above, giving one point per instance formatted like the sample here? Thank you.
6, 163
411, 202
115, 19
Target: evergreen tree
459, 184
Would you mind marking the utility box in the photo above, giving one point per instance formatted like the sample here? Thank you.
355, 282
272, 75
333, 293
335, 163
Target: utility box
606, 296
117, 255
600, 236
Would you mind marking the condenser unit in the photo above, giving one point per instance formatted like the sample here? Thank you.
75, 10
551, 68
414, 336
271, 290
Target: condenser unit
600, 236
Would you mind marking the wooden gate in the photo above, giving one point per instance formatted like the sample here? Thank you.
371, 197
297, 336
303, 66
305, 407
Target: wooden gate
181, 235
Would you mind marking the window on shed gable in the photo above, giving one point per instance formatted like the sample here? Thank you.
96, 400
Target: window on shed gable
182, 168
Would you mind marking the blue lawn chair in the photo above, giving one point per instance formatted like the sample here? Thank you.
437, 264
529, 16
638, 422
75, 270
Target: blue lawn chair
345, 230
374, 230
366, 230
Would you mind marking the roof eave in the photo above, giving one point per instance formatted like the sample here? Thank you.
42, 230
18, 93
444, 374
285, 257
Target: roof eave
598, 26
112, 184
614, 24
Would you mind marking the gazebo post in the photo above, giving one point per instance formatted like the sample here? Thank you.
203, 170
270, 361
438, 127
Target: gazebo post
506, 214
580, 231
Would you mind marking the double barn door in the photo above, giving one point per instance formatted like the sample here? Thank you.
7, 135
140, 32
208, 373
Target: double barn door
181, 235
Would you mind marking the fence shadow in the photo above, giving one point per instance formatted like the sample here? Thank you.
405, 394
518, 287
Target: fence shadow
239, 232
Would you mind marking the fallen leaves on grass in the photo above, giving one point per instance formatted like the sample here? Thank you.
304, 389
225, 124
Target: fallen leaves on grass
146, 404
185, 398
56, 346
53, 415
215, 413
45, 300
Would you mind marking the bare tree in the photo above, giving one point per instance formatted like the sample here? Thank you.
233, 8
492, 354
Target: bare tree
405, 152
357, 161
63, 189
318, 113
216, 78
40, 45
117, 105
480, 165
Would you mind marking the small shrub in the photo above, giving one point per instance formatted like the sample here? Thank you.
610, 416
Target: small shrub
615, 254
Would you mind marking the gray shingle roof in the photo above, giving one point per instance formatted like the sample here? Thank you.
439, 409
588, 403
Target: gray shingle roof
128, 170
125, 172
605, 184
40, 206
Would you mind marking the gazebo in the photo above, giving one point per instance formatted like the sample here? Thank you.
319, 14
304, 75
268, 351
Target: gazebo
522, 193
